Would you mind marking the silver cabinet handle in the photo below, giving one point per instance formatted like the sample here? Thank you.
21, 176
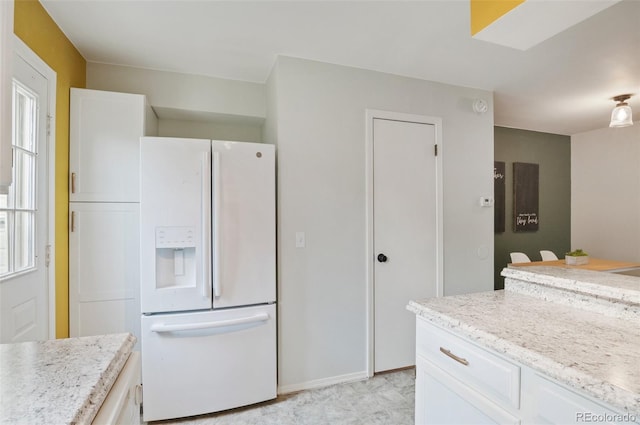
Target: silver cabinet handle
454, 357
73, 221
73, 182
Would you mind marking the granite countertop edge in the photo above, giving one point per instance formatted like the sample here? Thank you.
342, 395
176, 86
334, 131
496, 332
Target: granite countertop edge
580, 281
61, 381
92, 405
617, 397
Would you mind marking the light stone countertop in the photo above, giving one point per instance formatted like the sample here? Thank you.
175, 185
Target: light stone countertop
62, 381
593, 353
604, 285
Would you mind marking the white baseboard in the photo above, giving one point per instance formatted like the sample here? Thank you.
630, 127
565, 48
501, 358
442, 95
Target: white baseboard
324, 382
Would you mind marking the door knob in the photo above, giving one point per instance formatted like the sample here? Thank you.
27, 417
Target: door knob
382, 258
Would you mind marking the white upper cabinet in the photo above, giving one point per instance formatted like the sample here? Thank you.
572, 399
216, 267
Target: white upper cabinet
104, 152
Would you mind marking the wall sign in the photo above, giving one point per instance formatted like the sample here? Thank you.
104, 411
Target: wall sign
499, 196
525, 197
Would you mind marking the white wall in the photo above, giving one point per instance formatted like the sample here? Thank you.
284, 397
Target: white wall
190, 105
270, 127
605, 193
210, 130
321, 190
181, 91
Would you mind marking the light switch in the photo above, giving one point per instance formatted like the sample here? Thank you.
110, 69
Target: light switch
300, 240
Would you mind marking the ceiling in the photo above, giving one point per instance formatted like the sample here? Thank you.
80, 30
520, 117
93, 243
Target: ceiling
562, 85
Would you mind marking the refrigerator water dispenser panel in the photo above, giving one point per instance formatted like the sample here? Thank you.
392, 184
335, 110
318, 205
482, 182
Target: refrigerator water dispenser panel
175, 257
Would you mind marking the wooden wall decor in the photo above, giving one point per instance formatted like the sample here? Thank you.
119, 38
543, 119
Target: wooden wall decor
499, 196
525, 197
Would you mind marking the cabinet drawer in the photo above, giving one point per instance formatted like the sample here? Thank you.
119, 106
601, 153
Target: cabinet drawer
487, 373
443, 400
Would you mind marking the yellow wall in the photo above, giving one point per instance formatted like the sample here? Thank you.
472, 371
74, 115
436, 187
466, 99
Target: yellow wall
485, 12
35, 27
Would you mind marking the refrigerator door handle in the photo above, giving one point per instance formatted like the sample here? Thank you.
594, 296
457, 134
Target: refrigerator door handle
163, 328
217, 187
206, 227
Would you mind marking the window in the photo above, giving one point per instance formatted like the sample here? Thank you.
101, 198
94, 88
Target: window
18, 207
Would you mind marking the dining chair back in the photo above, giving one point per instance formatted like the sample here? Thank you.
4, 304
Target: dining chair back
548, 255
519, 257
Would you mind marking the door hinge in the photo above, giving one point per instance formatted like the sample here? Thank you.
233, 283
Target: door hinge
435, 150
49, 125
47, 255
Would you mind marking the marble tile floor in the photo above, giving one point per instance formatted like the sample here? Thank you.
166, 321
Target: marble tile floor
385, 399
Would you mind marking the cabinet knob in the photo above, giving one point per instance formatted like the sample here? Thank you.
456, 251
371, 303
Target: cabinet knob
382, 258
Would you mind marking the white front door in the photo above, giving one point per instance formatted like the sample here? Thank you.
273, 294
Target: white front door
405, 242
24, 289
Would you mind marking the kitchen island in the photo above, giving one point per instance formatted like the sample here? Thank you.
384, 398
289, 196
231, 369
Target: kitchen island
555, 346
63, 381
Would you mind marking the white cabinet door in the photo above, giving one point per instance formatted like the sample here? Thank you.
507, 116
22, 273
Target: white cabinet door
546, 402
104, 151
442, 399
103, 268
122, 405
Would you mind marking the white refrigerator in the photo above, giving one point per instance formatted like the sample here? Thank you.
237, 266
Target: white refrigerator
208, 292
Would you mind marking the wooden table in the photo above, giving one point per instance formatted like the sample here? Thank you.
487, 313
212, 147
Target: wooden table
596, 264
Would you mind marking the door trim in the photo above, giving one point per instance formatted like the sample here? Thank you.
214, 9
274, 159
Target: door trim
372, 114
50, 75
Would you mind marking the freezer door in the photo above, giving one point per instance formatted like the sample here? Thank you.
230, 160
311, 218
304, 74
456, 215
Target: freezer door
195, 363
175, 224
244, 251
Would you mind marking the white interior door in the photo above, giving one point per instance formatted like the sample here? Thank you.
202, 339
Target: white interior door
24, 289
404, 233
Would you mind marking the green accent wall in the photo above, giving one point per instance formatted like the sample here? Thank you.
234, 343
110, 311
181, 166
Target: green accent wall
553, 154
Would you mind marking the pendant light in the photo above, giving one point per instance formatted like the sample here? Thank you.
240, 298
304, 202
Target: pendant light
621, 115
